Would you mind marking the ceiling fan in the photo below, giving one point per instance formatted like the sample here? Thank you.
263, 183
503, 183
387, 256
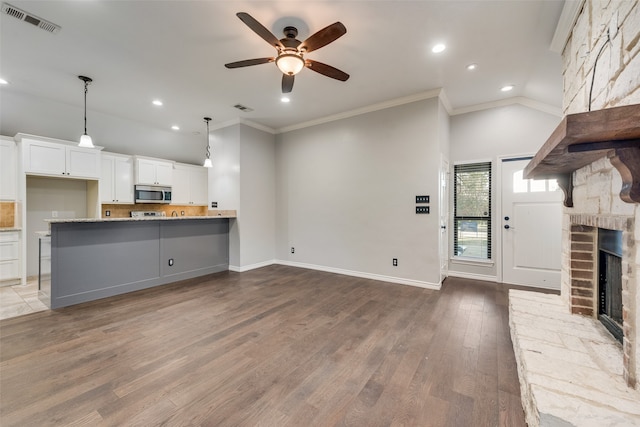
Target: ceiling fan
290, 59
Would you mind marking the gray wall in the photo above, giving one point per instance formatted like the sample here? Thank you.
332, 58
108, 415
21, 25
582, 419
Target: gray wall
257, 218
346, 193
243, 178
512, 130
224, 180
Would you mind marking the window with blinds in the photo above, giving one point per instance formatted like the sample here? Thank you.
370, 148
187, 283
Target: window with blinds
472, 210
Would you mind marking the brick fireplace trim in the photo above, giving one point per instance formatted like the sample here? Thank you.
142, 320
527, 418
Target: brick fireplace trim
583, 276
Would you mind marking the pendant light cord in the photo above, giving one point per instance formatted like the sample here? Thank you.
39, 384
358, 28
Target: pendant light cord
208, 149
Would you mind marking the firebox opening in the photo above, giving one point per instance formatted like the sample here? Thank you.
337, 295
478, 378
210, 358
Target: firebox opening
610, 281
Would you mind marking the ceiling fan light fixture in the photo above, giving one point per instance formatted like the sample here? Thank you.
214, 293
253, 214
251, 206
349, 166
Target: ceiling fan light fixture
290, 63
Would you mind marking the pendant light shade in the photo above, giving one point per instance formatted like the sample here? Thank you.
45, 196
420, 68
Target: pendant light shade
85, 140
207, 161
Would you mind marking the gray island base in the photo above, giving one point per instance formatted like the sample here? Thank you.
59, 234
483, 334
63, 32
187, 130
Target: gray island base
93, 260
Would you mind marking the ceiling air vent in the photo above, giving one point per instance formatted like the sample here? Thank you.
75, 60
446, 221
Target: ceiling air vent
20, 14
243, 108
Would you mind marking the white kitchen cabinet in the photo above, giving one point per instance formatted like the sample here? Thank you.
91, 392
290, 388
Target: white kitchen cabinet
9, 255
116, 179
49, 158
8, 171
189, 185
154, 172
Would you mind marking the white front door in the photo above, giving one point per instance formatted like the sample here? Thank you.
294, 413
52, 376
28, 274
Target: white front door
531, 228
444, 218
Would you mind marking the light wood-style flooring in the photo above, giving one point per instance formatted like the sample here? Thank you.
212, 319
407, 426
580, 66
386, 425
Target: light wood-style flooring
276, 346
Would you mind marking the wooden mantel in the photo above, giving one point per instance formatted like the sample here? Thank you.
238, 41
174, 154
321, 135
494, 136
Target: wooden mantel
583, 138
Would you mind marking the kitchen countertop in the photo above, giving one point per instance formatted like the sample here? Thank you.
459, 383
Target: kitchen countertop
148, 218
10, 229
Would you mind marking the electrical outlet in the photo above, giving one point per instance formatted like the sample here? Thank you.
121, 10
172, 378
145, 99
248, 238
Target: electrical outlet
395, 262
293, 250
214, 204
422, 199
54, 214
107, 213
422, 209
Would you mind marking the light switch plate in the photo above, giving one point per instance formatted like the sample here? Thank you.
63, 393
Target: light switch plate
422, 209
422, 199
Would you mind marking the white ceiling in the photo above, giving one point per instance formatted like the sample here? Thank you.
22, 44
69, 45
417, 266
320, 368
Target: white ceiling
176, 50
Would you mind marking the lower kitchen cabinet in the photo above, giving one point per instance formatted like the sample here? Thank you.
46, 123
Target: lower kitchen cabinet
9, 256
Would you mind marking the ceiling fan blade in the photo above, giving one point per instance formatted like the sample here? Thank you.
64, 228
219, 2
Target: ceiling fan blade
260, 30
323, 37
287, 83
248, 62
326, 70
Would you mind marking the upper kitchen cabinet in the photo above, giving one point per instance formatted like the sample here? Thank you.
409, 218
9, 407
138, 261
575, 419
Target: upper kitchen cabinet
8, 170
153, 171
189, 185
62, 159
116, 178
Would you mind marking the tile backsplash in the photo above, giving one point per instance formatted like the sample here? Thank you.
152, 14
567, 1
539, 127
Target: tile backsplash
7, 214
124, 211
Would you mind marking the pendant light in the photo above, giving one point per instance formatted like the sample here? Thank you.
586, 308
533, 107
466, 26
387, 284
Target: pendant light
207, 161
85, 140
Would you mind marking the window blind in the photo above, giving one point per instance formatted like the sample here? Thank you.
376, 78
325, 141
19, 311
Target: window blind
472, 210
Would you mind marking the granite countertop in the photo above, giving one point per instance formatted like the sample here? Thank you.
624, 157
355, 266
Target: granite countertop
10, 229
148, 218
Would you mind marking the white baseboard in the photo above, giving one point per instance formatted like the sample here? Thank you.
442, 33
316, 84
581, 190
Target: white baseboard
244, 268
391, 279
473, 276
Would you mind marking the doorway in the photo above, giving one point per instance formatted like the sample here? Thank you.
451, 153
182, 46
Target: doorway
531, 227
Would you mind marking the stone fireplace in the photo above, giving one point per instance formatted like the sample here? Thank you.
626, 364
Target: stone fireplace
585, 271
566, 358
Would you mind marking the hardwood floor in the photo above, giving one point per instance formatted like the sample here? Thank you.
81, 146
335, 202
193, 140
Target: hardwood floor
277, 346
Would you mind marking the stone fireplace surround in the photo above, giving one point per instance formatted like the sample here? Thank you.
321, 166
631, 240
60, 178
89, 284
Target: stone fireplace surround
583, 238
572, 370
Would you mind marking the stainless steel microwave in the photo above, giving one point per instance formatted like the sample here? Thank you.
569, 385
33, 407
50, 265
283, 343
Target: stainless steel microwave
152, 194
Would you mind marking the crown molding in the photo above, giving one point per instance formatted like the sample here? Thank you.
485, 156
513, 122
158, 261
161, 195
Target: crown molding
239, 121
368, 109
568, 18
536, 105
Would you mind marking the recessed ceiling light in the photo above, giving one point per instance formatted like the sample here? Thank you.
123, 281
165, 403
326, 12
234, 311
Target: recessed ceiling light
507, 88
438, 48
284, 99
3, 82
175, 127
157, 102
472, 67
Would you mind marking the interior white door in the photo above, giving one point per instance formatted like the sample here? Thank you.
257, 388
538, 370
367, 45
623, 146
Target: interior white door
444, 218
531, 227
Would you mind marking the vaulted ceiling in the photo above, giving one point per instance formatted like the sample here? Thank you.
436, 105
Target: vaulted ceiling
138, 51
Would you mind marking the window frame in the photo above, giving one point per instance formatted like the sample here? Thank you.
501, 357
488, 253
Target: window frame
460, 167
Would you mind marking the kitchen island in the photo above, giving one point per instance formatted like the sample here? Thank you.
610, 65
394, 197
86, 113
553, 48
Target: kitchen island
101, 257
